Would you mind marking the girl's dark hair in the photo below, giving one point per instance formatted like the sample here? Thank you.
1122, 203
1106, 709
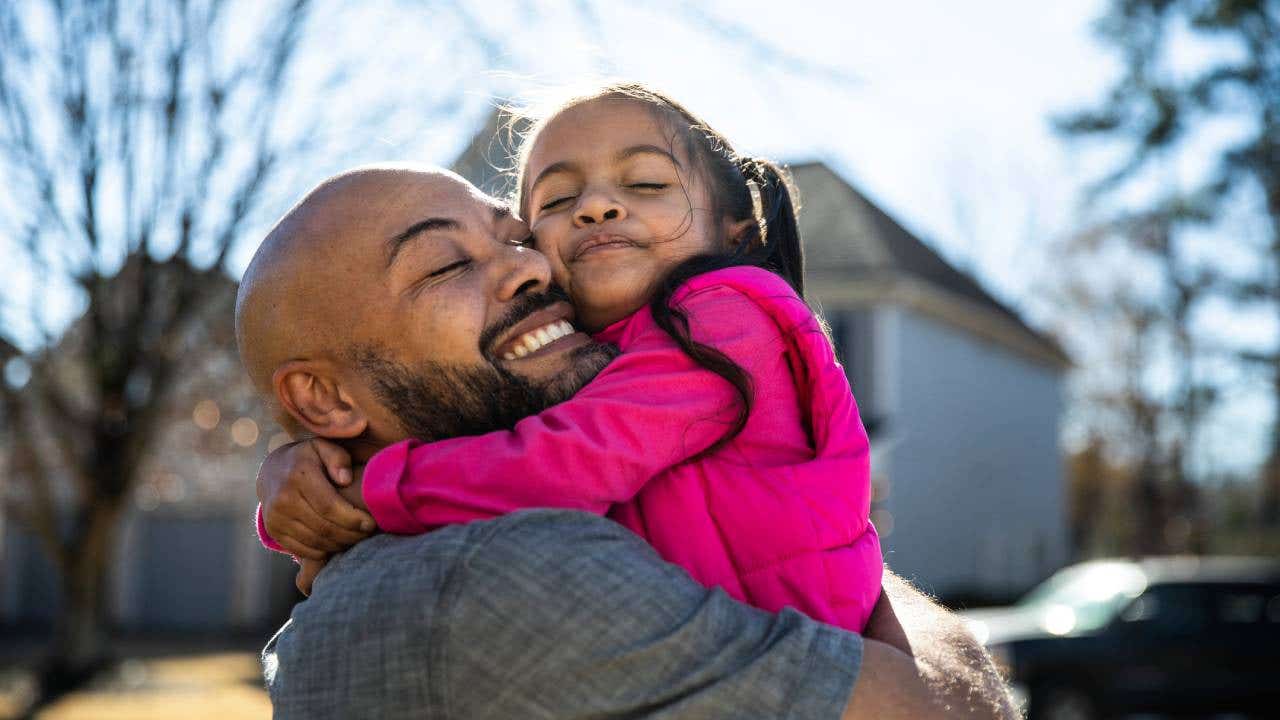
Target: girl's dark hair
740, 188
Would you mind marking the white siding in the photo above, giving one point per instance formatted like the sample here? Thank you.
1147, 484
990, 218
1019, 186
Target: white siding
974, 470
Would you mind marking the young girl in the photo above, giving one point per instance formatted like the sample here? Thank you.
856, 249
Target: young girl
725, 433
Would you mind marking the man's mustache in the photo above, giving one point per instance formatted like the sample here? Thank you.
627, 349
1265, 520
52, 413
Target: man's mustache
521, 308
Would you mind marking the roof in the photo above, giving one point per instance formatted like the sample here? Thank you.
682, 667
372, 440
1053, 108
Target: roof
857, 253
487, 160
1215, 569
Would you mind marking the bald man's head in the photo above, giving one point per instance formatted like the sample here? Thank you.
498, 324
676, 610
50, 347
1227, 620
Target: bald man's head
389, 280
295, 288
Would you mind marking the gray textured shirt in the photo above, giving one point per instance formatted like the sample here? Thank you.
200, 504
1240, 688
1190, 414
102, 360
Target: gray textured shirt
543, 614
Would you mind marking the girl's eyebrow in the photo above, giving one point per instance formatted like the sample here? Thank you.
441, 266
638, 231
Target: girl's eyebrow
634, 150
623, 154
552, 169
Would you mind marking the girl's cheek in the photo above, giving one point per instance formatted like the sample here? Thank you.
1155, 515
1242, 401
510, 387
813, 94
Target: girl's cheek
551, 251
561, 275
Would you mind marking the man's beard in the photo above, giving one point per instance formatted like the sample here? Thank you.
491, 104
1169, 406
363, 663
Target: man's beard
434, 401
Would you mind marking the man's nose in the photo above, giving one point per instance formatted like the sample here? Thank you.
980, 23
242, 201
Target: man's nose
597, 207
523, 270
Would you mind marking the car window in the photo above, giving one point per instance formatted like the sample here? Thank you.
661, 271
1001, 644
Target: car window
1169, 609
1239, 607
1246, 604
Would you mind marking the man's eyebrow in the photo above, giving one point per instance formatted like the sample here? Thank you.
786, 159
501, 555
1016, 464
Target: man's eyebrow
394, 244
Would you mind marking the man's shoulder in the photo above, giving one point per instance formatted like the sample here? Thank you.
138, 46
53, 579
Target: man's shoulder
549, 614
431, 557
382, 614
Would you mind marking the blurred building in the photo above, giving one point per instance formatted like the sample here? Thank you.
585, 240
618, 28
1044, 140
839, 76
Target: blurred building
187, 557
961, 397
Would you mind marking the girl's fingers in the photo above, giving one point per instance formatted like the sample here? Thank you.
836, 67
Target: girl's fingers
309, 493
335, 460
303, 532
307, 574
300, 551
325, 528
341, 518
334, 536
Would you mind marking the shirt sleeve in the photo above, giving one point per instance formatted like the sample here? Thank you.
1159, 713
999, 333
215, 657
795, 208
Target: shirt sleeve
580, 618
652, 408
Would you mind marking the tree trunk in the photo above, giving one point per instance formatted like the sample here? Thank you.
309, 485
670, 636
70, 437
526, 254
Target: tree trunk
1269, 480
80, 646
1149, 507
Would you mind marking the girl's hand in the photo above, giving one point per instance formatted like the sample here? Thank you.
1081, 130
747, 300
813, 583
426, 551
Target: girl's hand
307, 574
301, 508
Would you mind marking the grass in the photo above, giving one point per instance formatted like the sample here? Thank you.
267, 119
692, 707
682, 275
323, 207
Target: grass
207, 686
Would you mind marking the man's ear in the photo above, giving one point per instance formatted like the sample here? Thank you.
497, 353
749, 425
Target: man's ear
310, 392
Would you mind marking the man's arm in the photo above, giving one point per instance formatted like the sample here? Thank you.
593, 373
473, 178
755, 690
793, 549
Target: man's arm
915, 647
565, 615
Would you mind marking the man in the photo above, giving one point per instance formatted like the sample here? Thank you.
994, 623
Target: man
371, 313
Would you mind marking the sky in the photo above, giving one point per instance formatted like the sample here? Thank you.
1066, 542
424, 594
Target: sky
938, 111
944, 121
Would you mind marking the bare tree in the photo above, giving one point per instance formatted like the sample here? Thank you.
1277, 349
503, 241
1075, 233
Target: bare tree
1133, 325
1154, 111
134, 146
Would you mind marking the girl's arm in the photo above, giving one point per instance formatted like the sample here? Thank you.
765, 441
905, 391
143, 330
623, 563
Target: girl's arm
649, 410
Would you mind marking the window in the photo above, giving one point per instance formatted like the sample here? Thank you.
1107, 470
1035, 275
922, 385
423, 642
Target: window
1170, 609
853, 332
1238, 608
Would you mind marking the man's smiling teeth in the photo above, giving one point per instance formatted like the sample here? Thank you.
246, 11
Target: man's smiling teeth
535, 339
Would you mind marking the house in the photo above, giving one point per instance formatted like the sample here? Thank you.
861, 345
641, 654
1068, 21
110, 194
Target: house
961, 398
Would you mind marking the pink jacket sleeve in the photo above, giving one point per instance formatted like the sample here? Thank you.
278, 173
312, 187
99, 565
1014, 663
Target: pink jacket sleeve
649, 410
264, 537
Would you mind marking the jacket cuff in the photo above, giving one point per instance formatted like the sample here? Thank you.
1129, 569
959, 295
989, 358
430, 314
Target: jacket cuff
264, 537
382, 490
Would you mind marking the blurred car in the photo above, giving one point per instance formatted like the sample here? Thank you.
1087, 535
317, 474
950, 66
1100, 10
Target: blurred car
1172, 636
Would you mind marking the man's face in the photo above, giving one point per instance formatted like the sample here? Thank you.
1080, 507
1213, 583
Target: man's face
454, 328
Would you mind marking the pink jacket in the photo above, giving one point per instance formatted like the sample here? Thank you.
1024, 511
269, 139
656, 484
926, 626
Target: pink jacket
777, 517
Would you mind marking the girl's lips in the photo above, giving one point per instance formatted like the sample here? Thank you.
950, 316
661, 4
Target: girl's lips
600, 242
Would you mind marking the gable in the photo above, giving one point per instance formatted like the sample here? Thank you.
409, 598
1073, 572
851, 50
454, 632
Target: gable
857, 254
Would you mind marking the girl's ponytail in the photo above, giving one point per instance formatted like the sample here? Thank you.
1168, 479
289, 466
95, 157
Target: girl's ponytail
779, 232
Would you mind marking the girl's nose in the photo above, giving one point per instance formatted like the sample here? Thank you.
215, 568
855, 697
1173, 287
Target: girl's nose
596, 208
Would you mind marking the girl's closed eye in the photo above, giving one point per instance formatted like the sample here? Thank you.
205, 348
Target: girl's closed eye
555, 203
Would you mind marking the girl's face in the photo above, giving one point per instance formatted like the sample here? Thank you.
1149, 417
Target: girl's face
614, 205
